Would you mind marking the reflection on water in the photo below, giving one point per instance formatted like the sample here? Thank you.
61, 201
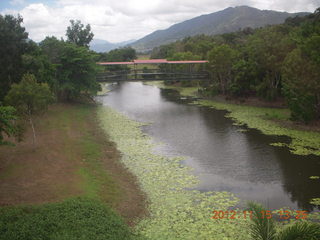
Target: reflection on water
223, 158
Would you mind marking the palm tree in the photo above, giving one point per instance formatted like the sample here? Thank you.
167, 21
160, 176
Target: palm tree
263, 228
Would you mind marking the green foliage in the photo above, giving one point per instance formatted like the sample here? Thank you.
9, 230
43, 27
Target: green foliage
261, 228
119, 55
274, 61
269, 47
76, 72
314, 177
300, 231
29, 97
35, 62
163, 51
221, 60
74, 69
52, 48
79, 35
7, 123
81, 219
301, 86
13, 42
302, 143
245, 75
125, 54
315, 201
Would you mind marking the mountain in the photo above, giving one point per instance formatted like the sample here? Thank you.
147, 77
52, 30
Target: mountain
228, 20
99, 45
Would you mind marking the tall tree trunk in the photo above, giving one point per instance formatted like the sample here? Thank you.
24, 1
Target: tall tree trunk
33, 131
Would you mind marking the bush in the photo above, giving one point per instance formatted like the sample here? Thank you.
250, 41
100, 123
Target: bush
81, 219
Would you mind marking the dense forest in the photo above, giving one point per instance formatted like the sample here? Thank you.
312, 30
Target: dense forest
278, 61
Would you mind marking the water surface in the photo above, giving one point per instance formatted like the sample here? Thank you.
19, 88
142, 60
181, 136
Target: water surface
223, 158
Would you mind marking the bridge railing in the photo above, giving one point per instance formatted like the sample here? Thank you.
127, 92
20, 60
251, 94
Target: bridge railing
151, 74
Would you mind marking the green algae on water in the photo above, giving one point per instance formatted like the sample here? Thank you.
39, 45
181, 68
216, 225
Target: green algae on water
174, 211
314, 177
302, 142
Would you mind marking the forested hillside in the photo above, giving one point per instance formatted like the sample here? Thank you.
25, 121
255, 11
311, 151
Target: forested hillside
280, 61
228, 20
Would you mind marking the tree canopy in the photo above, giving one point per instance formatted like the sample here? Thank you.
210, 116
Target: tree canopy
7, 126
13, 42
29, 98
79, 34
273, 62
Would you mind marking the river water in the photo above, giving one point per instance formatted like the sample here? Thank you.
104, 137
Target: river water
223, 158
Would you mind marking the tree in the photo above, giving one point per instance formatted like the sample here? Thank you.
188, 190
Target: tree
245, 75
29, 98
221, 60
121, 55
13, 42
76, 72
35, 62
269, 48
301, 86
79, 35
75, 69
7, 123
124, 54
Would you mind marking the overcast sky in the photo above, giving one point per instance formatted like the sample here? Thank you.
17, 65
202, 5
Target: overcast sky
122, 20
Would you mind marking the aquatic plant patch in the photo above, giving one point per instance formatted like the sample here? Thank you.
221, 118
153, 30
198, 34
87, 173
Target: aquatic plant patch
175, 211
302, 142
104, 89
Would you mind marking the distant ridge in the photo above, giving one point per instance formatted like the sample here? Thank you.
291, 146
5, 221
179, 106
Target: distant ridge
99, 45
228, 20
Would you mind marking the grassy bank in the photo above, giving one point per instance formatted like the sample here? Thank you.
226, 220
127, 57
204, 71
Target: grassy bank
70, 185
270, 121
77, 218
174, 211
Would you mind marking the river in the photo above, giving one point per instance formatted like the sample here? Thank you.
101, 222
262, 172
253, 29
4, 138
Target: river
223, 158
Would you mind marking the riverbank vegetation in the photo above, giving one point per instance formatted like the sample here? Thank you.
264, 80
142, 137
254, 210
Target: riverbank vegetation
68, 67
270, 121
63, 180
71, 185
274, 62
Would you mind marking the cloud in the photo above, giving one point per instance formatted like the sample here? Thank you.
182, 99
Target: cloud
131, 19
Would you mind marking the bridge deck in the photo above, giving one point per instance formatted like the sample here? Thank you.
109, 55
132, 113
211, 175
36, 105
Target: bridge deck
135, 74
152, 61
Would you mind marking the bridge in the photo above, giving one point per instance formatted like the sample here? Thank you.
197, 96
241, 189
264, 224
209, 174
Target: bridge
163, 72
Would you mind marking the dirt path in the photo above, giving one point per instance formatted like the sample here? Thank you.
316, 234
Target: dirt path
72, 157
